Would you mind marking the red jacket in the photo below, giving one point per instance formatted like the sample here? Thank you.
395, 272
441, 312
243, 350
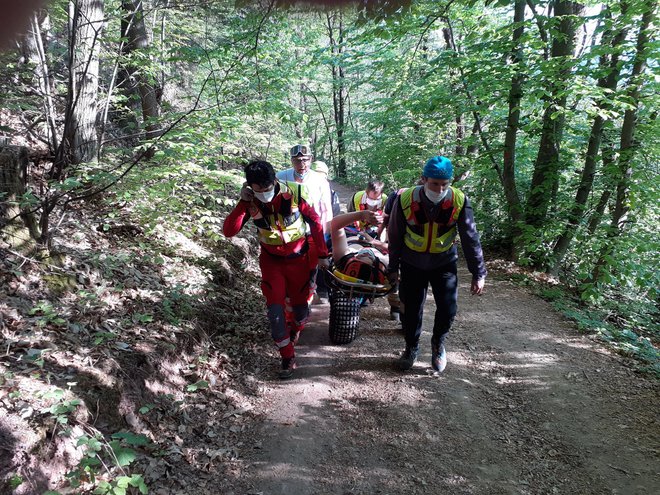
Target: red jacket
241, 214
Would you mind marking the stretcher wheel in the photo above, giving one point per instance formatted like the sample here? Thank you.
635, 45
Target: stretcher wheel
344, 318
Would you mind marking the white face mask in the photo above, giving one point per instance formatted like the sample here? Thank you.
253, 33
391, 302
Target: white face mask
299, 175
435, 197
266, 196
373, 202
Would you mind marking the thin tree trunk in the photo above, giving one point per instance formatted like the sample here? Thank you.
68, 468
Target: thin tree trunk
134, 30
478, 129
338, 91
607, 155
609, 64
36, 52
628, 147
546, 169
515, 96
459, 150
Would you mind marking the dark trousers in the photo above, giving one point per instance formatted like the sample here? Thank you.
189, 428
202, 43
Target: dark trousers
413, 290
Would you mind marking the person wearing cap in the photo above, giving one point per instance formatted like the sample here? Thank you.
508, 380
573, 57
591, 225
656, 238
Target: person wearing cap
318, 192
322, 168
282, 215
316, 183
423, 226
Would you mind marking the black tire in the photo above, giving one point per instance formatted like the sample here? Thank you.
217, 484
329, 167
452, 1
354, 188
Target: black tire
344, 318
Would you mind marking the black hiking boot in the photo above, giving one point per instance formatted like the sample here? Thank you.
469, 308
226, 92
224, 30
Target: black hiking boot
408, 358
288, 365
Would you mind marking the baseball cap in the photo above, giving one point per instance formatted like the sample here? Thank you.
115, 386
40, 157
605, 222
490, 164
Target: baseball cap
300, 149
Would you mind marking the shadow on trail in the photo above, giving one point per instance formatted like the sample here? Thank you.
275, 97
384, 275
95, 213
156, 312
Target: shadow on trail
519, 409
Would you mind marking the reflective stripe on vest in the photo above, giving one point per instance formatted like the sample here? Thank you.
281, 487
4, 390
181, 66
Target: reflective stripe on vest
286, 225
425, 235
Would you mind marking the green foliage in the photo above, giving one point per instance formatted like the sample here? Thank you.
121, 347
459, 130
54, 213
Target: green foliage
176, 305
147, 408
98, 453
47, 314
62, 408
199, 385
121, 484
632, 336
15, 481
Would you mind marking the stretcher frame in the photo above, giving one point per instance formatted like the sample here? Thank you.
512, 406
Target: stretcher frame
345, 301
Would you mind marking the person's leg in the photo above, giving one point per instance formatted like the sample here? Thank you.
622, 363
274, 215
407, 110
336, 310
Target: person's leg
444, 284
297, 289
412, 291
396, 308
273, 286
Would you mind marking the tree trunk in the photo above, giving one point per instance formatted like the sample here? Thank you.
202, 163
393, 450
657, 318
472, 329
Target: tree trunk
80, 140
339, 94
135, 50
611, 68
459, 150
35, 53
546, 169
18, 226
607, 155
515, 96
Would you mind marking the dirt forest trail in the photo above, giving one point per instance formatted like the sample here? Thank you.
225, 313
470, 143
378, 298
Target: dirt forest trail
527, 405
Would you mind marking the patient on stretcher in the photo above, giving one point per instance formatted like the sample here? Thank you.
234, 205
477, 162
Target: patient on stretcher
358, 258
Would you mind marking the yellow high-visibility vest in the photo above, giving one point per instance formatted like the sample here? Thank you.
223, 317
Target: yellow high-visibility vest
431, 235
285, 225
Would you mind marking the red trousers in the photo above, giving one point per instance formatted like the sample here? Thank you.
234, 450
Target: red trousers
285, 280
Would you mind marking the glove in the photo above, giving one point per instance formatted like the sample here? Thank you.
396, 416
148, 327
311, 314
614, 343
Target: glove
324, 263
247, 194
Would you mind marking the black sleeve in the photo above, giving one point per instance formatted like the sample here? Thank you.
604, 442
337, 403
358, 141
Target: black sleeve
467, 230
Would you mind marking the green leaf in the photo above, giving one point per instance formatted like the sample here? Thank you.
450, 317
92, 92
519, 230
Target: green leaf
124, 455
131, 438
201, 384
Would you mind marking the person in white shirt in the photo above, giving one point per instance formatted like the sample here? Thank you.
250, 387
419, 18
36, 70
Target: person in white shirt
318, 188
318, 192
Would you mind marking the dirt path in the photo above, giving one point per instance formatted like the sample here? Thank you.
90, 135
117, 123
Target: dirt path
525, 406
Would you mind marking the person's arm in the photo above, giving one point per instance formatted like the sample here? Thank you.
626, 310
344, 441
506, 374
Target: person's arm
314, 221
326, 200
377, 243
467, 230
387, 211
236, 219
339, 241
395, 232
